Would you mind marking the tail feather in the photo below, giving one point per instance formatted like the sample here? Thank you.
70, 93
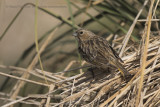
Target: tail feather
123, 70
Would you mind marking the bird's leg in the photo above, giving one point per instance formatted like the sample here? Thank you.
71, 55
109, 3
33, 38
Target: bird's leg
112, 73
91, 70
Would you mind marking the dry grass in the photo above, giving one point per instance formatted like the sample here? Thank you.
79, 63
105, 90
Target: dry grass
107, 88
104, 89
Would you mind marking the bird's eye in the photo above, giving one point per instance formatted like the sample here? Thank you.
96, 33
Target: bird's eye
81, 32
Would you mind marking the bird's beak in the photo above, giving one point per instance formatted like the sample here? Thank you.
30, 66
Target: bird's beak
75, 34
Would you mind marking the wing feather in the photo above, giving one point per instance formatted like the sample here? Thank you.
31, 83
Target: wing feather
103, 43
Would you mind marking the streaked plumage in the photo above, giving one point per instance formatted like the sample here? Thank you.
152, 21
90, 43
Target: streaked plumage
97, 51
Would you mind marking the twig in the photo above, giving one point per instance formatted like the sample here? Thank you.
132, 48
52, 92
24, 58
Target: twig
74, 69
145, 20
150, 98
33, 72
23, 79
126, 38
14, 102
144, 52
72, 91
20, 84
49, 98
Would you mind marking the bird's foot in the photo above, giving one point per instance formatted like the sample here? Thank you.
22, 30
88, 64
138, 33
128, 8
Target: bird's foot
91, 70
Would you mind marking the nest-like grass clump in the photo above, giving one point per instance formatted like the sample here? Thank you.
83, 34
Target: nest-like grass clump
100, 88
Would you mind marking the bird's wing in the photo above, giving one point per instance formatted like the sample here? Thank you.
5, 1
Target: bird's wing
103, 44
115, 53
97, 57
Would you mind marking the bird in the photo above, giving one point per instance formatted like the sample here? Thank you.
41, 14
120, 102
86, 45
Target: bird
97, 51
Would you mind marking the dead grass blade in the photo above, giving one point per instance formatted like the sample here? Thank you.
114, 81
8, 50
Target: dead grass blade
144, 51
20, 84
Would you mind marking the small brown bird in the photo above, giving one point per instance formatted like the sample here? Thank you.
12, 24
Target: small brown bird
97, 51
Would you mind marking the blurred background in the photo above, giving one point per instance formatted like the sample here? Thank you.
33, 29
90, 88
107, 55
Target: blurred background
107, 18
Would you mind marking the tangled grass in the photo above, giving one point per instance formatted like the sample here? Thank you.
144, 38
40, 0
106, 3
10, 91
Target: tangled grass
98, 88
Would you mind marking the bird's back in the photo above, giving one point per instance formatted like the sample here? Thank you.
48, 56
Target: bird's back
97, 50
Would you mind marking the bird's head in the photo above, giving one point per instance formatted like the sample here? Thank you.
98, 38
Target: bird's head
82, 34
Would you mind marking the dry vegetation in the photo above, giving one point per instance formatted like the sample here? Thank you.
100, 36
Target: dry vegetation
105, 88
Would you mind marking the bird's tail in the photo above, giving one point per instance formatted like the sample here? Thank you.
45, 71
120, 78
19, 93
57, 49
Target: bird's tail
123, 70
